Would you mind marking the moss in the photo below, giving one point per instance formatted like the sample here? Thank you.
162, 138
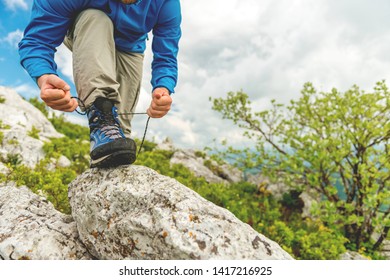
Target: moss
4, 126
13, 142
34, 132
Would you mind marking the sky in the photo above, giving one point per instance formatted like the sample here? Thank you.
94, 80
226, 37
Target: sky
267, 48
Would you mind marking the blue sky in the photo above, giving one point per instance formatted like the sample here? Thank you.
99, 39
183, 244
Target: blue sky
13, 19
267, 48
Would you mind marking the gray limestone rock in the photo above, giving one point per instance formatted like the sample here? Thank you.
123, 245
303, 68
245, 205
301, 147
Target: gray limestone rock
132, 212
4, 169
213, 173
350, 255
30, 228
166, 145
18, 118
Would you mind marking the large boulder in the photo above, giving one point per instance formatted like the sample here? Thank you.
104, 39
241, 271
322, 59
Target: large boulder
30, 228
132, 212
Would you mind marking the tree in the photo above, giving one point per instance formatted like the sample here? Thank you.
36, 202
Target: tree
325, 140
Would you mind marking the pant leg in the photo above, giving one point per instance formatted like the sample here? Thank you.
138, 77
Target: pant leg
129, 76
94, 57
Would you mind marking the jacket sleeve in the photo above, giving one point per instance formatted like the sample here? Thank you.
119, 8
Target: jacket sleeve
165, 46
50, 20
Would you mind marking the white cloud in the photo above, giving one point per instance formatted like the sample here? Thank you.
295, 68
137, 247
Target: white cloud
13, 38
15, 4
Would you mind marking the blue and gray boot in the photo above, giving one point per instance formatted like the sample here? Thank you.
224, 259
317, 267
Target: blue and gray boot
109, 146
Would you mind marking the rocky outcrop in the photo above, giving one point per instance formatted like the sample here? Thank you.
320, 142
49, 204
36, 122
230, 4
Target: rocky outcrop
207, 168
30, 228
19, 122
196, 165
134, 213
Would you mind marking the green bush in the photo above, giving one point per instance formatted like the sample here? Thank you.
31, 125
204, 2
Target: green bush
51, 184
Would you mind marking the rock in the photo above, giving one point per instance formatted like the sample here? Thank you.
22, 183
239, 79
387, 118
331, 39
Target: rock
4, 169
132, 212
277, 189
17, 112
196, 165
62, 161
309, 197
18, 118
350, 255
229, 173
384, 249
30, 228
167, 145
206, 168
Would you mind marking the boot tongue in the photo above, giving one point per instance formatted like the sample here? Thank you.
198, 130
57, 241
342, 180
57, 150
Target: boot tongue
103, 104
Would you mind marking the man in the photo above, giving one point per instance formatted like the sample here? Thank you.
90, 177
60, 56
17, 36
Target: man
107, 38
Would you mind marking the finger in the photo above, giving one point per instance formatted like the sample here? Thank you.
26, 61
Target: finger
155, 114
73, 105
161, 90
156, 95
57, 82
59, 102
163, 101
49, 95
70, 107
160, 108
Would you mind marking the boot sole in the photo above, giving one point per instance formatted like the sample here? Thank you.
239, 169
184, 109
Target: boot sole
113, 160
118, 145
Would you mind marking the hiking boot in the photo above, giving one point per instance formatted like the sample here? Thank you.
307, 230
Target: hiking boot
109, 146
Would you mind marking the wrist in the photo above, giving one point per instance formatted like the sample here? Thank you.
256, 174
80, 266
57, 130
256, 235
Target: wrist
161, 90
41, 80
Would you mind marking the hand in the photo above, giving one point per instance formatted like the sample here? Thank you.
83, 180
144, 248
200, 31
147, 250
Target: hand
56, 93
161, 103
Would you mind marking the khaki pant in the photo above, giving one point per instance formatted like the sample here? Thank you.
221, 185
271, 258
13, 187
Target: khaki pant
99, 69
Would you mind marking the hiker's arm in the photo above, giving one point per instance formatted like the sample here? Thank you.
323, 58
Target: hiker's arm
165, 46
50, 20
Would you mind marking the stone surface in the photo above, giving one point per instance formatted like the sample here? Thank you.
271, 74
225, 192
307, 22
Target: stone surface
62, 162
132, 212
195, 164
4, 169
30, 228
384, 250
277, 189
350, 255
167, 145
18, 117
217, 174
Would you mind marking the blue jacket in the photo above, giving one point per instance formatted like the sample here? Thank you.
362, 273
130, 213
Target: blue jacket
51, 19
